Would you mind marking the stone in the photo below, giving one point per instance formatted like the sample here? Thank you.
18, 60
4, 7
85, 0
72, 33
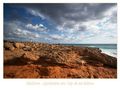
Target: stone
82, 62
19, 45
30, 56
9, 46
42, 60
63, 57
27, 48
103, 58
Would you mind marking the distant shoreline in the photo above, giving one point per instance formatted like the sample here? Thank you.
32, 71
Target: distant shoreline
108, 46
64, 43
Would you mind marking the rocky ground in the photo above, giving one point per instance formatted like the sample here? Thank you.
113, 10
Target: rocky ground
40, 60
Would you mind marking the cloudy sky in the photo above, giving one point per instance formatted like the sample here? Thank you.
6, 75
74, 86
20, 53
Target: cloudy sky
61, 23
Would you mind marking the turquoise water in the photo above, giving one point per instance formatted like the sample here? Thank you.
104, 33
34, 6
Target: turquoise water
110, 49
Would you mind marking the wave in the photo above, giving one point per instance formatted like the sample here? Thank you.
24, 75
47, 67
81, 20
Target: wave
92, 46
111, 52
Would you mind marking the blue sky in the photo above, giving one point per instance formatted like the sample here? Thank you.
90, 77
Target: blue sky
61, 23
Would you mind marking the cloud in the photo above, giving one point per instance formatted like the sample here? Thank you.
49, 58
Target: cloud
35, 13
39, 27
25, 33
76, 12
56, 37
70, 23
17, 30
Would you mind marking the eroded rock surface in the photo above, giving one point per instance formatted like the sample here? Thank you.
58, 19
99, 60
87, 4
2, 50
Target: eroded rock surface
40, 60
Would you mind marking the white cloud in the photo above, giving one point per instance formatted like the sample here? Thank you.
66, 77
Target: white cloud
92, 26
71, 27
110, 11
39, 27
36, 13
56, 37
16, 30
25, 34
19, 30
87, 31
91, 23
104, 27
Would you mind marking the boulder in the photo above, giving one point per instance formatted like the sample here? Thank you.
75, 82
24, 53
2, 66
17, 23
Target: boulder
27, 48
63, 57
9, 46
30, 56
101, 57
19, 45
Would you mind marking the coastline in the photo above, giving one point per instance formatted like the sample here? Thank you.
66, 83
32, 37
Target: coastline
111, 53
109, 49
41, 60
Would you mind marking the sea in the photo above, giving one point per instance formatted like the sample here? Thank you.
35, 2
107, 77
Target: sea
110, 49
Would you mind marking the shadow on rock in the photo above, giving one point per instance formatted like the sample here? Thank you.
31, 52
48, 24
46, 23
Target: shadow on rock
43, 61
17, 61
47, 61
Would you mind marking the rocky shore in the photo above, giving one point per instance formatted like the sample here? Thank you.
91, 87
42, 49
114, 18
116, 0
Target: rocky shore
41, 60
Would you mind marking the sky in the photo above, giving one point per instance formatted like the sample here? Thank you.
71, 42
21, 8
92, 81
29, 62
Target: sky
70, 23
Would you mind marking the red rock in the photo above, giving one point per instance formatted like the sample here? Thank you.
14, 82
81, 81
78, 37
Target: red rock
9, 46
103, 58
27, 48
56, 61
30, 56
19, 45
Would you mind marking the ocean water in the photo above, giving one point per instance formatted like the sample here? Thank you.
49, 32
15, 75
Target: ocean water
110, 49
